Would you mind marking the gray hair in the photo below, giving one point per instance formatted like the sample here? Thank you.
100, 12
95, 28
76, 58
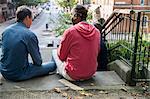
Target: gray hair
22, 12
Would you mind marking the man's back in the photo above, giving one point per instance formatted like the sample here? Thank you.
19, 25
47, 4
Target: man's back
80, 48
15, 43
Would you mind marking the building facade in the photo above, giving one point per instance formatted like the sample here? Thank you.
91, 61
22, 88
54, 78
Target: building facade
107, 7
136, 5
7, 10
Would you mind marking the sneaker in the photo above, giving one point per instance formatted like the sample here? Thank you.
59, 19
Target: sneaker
53, 72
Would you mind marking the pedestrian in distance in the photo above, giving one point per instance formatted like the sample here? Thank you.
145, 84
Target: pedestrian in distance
76, 56
18, 42
46, 26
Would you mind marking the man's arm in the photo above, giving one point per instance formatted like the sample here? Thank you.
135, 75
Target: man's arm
64, 46
33, 49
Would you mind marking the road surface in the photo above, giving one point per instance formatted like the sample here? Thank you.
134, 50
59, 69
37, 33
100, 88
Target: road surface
38, 26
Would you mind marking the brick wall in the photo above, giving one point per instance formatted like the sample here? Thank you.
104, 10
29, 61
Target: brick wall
126, 24
135, 2
125, 1
147, 28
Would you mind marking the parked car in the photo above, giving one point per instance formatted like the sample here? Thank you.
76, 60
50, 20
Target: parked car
36, 11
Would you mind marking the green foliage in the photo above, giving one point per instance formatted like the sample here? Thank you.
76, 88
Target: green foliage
62, 3
142, 59
65, 18
120, 48
67, 3
89, 16
64, 23
142, 56
123, 50
60, 30
43, 1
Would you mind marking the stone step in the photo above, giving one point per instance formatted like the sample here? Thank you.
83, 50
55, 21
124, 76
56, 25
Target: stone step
122, 69
100, 80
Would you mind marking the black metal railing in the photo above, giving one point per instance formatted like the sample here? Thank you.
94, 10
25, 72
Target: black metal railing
127, 36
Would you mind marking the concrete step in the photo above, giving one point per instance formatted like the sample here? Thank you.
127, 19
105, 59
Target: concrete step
101, 79
122, 69
49, 82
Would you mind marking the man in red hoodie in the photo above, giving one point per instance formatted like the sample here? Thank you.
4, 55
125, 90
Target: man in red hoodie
79, 48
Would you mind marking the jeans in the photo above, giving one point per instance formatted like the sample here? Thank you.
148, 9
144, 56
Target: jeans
102, 57
35, 71
32, 71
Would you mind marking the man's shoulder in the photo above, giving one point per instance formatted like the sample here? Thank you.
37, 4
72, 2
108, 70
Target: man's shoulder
10, 27
71, 29
14, 27
19, 28
30, 34
22, 28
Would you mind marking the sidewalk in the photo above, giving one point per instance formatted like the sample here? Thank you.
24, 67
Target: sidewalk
5, 24
8, 22
104, 85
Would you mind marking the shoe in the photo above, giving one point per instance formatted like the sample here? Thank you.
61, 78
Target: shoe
53, 72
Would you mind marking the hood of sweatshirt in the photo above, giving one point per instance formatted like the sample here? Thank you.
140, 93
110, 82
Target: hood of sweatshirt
86, 30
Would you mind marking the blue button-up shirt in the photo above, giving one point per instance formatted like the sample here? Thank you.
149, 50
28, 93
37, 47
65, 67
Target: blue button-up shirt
17, 43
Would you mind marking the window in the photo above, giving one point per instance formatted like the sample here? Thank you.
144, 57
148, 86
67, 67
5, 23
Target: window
142, 2
86, 1
145, 21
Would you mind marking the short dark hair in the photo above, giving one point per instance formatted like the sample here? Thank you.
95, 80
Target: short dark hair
22, 12
80, 11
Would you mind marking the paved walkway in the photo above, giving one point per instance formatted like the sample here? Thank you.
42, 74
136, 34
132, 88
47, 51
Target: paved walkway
109, 78
5, 24
101, 79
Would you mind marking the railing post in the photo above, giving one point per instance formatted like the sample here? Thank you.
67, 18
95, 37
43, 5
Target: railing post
133, 72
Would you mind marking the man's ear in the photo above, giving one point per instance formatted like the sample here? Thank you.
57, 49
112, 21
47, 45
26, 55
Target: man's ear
27, 17
75, 17
78, 19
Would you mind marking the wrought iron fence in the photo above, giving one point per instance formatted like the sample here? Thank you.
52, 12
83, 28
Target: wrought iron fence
127, 36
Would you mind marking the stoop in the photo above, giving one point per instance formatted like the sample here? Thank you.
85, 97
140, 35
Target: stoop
122, 69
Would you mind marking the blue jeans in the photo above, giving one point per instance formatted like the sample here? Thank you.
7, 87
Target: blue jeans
102, 57
33, 71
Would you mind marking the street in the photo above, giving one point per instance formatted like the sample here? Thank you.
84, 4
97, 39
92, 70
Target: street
44, 36
38, 26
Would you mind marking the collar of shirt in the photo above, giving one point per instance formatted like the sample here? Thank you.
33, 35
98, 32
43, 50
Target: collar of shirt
21, 24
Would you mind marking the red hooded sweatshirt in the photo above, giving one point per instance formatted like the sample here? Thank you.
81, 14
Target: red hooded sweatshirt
79, 50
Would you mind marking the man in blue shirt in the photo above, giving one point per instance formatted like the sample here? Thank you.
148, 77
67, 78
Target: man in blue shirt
17, 43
